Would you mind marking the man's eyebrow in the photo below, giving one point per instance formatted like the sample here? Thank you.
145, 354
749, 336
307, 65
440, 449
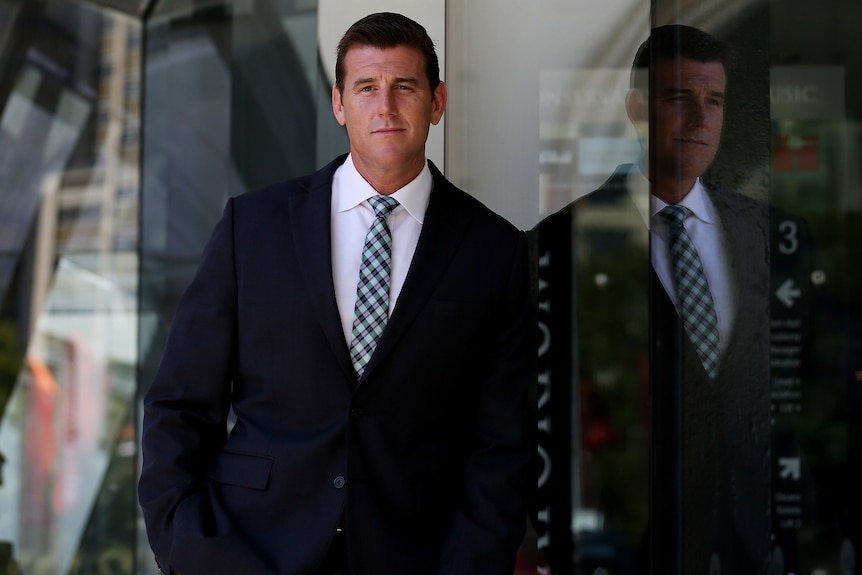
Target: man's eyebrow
412, 80
684, 91
363, 81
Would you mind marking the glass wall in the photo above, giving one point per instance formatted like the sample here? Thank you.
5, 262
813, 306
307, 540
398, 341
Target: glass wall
125, 125
233, 94
69, 148
646, 466
814, 141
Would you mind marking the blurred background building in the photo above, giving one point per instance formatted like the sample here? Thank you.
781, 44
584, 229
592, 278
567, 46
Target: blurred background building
126, 124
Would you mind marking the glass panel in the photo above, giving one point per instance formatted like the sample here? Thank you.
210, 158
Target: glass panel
754, 472
558, 93
816, 102
228, 96
709, 106
68, 280
233, 91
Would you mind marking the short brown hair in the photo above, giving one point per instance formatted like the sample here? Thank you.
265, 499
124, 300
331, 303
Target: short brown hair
677, 41
388, 30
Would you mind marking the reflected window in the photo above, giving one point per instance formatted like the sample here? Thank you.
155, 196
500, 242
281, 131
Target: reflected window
69, 289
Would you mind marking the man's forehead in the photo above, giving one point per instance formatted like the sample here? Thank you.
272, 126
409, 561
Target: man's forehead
367, 53
683, 72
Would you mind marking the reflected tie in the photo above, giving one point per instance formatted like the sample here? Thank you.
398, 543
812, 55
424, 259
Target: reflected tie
372, 292
696, 305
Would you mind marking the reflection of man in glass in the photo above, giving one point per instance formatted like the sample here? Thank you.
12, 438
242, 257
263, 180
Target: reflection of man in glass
676, 477
688, 107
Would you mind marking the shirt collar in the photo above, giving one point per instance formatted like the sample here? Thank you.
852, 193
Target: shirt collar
352, 189
696, 201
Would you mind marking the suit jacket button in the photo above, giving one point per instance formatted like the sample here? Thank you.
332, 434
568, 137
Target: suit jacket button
339, 482
357, 412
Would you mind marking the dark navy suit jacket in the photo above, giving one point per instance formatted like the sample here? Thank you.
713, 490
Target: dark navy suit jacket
426, 456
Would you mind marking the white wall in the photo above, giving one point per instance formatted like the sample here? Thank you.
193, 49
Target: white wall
497, 51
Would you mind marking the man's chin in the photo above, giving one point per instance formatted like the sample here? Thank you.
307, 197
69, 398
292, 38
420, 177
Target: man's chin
693, 166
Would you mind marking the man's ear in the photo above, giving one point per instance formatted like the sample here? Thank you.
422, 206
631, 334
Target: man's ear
438, 103
637, 106
337, 105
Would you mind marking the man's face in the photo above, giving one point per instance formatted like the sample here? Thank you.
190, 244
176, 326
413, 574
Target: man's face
688, 116
387, 107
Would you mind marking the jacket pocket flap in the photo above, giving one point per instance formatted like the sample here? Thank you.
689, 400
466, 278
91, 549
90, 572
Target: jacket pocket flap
241, 469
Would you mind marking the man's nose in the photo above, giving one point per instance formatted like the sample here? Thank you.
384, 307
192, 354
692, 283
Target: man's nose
386, 102
695, 113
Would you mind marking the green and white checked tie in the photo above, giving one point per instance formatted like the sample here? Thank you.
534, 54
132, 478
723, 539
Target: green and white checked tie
696, 305
372, 291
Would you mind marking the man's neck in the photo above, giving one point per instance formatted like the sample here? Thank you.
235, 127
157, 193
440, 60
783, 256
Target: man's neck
671, 190
388, 180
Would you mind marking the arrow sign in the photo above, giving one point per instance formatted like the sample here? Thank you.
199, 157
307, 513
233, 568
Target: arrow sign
788, 292
789, 468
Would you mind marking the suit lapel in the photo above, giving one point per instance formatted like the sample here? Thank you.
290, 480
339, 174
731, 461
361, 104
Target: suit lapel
442, 232
746, 231
310, 224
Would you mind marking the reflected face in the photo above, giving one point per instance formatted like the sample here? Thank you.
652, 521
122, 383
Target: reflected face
688, 116
388, 107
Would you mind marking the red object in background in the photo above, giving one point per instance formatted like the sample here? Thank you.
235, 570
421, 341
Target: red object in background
805, 158
528, 563
39, 445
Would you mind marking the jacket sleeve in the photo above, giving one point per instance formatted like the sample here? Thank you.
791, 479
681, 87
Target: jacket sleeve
186, 416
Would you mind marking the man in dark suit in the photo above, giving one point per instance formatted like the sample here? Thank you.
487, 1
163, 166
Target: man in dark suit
673, 434
408, 455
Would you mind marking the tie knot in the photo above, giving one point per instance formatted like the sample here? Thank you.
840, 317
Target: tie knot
383, 205
675, 215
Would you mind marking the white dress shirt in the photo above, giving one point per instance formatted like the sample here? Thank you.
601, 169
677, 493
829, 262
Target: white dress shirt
702, 224
352, 215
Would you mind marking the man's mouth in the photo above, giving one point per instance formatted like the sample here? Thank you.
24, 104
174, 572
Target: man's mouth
692, 141
388, 130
